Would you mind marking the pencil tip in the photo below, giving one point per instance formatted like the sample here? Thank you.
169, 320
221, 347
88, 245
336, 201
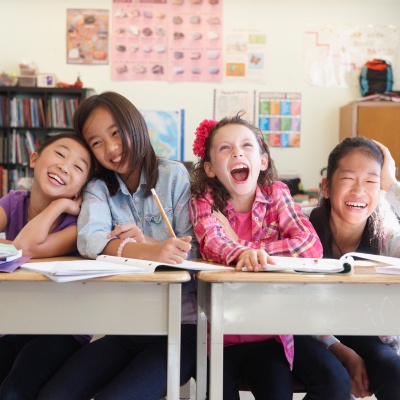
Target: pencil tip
153, 191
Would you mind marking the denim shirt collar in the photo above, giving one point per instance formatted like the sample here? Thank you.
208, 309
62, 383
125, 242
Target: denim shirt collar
123, 188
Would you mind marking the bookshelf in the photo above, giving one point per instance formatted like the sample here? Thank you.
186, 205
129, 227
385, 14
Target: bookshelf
27, 116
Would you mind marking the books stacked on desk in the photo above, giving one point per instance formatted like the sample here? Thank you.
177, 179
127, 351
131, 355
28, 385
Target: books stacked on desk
10, 258
66, 271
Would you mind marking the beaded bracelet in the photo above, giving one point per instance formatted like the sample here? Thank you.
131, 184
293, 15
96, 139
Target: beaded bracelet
122, 245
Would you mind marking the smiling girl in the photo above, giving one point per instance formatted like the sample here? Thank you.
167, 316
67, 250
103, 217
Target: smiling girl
42, 222
241, 214
352, 216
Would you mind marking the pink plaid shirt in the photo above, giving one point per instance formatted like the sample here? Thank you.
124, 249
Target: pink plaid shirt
278, 227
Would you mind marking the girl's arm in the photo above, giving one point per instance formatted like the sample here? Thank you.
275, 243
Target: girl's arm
3, 224
215, 243
356, 369
351, 361
35, 238
297, 236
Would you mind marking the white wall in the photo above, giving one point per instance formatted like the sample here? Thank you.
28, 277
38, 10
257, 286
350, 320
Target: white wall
35, 30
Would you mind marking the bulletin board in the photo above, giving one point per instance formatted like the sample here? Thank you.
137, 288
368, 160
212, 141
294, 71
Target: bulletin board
279, 118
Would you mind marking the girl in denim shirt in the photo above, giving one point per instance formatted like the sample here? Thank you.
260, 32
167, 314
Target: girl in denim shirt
120, 217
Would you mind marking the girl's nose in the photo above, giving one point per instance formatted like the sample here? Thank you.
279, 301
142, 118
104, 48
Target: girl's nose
357, 189
237, 152
63, 168
111, 146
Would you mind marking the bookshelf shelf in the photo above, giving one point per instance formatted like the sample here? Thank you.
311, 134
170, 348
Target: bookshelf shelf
27, 116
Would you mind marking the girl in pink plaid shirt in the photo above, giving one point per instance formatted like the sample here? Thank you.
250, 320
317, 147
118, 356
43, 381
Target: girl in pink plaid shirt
241, 215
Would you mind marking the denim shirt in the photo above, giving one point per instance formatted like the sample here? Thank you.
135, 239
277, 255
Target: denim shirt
100, 213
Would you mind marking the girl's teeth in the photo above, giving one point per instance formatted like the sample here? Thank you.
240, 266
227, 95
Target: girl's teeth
118, 159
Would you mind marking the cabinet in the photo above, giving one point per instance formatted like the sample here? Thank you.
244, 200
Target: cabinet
379, 120
27, 116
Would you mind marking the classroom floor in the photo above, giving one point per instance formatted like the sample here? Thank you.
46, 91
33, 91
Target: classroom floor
249, 396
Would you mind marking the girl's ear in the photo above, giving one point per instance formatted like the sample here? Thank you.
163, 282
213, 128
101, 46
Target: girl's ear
209, 170
264, 162
33, 159
324, 188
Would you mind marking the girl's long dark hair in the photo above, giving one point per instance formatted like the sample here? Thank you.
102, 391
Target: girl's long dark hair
134, 135
323, 212
201, 183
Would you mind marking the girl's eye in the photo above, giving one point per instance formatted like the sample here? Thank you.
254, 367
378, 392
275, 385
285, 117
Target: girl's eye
248, 145
94, 144
223, 148
115, 133
60, 154
79, 168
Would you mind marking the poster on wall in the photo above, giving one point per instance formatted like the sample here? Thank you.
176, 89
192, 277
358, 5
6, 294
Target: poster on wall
245, 56
166, 130
227, 103
334, 54
279, 118
87, 36
167, 40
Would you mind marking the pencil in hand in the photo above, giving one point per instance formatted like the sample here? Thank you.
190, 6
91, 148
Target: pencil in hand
171, 231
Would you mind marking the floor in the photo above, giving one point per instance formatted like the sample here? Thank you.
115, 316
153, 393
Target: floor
249, 396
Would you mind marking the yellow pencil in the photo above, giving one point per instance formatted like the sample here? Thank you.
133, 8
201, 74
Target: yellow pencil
163, 213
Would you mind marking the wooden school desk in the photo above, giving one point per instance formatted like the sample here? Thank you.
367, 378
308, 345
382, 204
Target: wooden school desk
136, 304
359, 303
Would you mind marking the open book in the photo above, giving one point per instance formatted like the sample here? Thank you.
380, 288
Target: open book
66, 271
311, 265
387, 265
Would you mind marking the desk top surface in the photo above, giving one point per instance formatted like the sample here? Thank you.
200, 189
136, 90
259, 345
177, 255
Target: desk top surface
363, 273
178, 276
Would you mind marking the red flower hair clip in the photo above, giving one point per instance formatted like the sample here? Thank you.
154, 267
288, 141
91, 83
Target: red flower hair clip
202, 132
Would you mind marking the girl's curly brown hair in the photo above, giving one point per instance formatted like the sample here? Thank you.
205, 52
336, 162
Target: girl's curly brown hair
201, 183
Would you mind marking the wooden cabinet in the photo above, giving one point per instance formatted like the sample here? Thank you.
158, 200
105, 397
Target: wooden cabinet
27, 116
379, 120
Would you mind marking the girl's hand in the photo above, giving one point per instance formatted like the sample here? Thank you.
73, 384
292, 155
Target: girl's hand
388, 171
172, 251
225, 225
359, 378
129, 230
254, 260
69, 206
355, 367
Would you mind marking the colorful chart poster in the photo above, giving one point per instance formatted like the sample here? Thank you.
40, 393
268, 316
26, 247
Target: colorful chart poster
166, 129
335, 54
169, 40
227, 103
87, 36
245, 56
279, 118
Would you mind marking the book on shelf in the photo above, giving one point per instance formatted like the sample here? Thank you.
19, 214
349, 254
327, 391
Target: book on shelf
103, 265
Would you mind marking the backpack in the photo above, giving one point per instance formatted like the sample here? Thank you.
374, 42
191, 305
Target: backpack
375, 77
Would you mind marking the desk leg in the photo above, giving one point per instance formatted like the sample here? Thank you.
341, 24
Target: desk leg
216, 341
201, 369
174, 340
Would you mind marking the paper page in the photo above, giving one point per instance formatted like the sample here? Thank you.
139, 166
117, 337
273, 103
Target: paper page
320, 265
388, 270
382, 259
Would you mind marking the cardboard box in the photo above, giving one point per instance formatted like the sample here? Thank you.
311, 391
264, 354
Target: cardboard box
46, 80
27, 81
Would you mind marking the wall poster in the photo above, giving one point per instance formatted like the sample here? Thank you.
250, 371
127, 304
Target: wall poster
87, 36
279, 118
167, 40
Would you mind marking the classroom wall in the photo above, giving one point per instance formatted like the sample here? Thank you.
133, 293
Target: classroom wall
35, 30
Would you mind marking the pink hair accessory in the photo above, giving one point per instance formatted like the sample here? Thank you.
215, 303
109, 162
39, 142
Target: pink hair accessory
202, 132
